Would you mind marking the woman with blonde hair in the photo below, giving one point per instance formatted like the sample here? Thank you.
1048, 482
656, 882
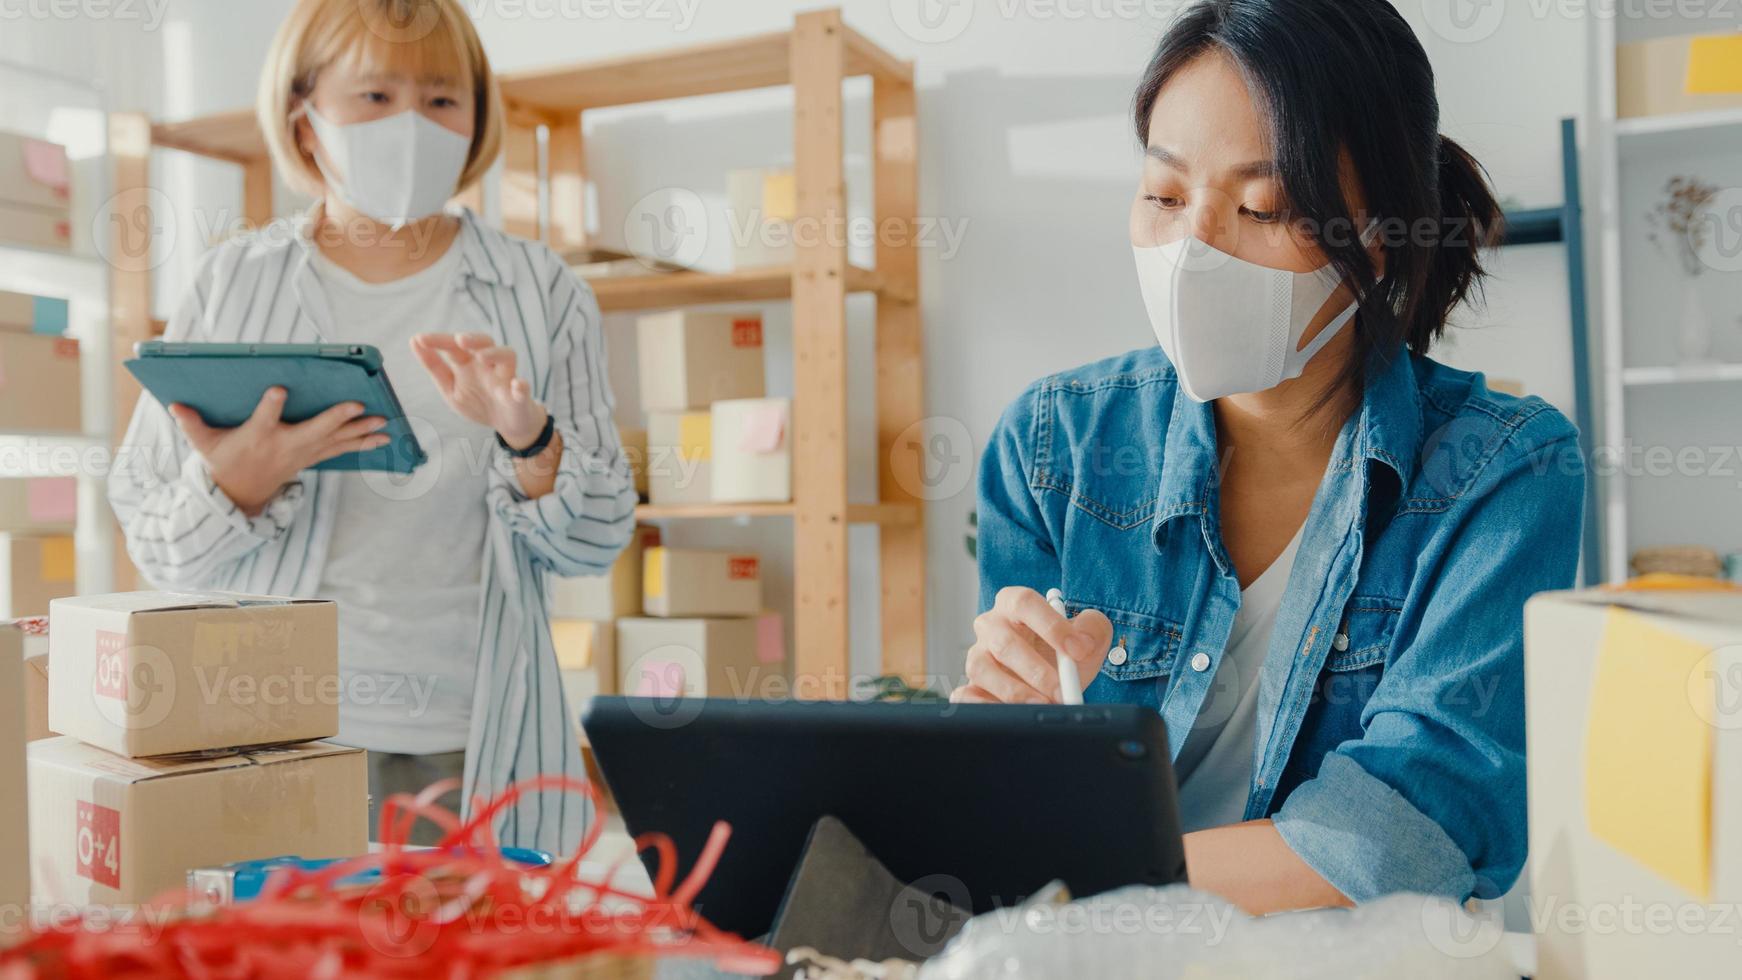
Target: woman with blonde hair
384, 110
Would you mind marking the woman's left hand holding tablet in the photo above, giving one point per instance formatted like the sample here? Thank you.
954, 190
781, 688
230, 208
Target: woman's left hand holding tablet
476, 378
1013, 661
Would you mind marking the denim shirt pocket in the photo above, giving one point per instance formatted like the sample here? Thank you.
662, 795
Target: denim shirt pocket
1364, 639
1149, 644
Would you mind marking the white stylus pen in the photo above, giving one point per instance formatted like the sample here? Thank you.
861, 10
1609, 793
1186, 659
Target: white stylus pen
1070, 684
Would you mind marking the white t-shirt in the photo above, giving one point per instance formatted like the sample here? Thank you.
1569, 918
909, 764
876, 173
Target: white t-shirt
1216, 759
406, 557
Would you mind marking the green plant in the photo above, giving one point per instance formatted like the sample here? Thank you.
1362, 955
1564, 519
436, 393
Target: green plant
892, 689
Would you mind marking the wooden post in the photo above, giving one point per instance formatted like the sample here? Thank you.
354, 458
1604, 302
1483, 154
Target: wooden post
568, 187
900, 376
819, 321
131, 228
520, 178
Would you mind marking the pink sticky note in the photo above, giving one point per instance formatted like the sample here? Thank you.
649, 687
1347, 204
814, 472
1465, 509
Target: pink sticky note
46, 163
764, 429
53, 499
770, 638
660, 679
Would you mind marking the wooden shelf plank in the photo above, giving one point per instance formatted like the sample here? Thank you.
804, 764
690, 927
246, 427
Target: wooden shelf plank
232, 136
895, 514
658, 290
758, 61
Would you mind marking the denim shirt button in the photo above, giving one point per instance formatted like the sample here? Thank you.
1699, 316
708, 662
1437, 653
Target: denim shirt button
1341, 642
1117, 655
1200, 662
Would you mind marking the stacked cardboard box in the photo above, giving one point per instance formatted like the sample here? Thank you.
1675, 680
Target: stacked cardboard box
705, 633
712, 436
191, 728
584, 611
39, 366
14, 834
35, 193
34, 571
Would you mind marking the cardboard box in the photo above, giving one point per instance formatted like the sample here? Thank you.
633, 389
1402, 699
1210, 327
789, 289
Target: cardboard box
34, 173
39, 504
691, 360
1634, 741
39, 384
14, 830
155, 673
106, 829
752, 455
721, 658
635, 447
762, 203
694, 582
34, 570
608, 596
36, 688
1663, 76
586, 653
680, 451
34, 314
31, 228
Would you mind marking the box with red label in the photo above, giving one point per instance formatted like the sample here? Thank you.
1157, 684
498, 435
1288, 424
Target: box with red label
680, 451
14, 837
741, 658
616, 593
34, 570
752, 455
694, 582
31, 228
39, 503
156, 673
39, 384
691, 360
105, 829
34, 174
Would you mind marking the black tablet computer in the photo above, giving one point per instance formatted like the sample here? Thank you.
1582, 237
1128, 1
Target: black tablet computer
224, 383
983, 803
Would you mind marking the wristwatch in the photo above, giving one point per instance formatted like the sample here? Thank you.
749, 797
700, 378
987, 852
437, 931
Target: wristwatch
539, 445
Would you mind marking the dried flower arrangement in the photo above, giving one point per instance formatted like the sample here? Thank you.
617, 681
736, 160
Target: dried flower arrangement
1677, 222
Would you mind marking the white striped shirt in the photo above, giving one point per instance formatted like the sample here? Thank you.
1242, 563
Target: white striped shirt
184, 533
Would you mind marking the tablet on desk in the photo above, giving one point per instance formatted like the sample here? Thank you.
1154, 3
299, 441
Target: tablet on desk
987, 802
224, 383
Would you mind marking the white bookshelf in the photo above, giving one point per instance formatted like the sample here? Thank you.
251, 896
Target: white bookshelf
38, 103
1656, 406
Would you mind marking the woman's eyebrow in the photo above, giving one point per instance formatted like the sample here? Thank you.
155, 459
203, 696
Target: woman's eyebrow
1255, 170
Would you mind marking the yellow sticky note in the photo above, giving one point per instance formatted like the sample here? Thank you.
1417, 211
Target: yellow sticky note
57, 559
779, 195
695, 436
573, 639
653, 573
1648, 751
1715, 65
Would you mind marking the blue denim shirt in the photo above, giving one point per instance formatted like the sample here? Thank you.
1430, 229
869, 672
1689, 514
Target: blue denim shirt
1390, 729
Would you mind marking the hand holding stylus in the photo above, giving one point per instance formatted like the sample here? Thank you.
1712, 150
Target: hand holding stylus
1019, 645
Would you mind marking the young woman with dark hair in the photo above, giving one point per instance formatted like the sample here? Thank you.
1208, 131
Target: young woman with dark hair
1316, 571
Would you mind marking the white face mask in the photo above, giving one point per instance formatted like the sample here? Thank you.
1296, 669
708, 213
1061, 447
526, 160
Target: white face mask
1230, 326
396, 170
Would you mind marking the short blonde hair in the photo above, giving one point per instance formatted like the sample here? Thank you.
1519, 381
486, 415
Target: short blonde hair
416, 38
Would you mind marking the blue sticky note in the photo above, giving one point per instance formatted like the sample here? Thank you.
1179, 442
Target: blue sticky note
49, 315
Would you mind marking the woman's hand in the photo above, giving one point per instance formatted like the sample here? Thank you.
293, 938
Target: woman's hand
1012, 660
477, 380
253, 460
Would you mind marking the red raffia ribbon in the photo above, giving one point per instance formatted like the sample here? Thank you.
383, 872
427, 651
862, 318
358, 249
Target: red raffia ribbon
458, 911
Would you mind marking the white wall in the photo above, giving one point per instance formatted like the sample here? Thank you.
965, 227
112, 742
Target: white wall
1025, 144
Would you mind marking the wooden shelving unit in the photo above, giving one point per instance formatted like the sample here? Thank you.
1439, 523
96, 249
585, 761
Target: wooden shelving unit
815, 58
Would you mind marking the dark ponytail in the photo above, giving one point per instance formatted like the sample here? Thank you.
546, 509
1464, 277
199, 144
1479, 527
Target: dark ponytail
1337, 77
1472, 221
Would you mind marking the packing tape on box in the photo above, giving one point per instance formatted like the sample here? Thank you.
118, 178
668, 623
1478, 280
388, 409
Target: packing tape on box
1648, 750
653, 573
695, 436
1715, 65
58, 559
